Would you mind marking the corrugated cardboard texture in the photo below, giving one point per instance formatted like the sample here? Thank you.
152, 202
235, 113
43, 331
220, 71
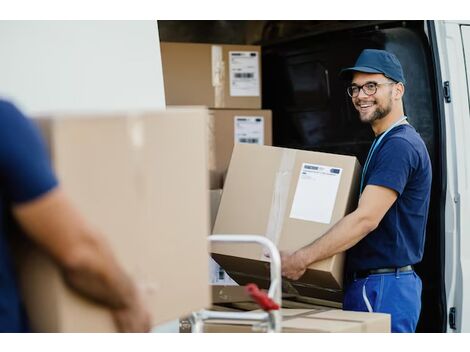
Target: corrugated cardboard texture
221, 139
129, 177
187, 75
305, 320
245, 209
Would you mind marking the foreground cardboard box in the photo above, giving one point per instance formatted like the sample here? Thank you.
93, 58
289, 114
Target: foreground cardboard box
129, 177
217, 76
292, 197
227, 127
316, 320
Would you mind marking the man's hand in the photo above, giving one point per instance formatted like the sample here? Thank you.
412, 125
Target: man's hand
135, 317
293, 265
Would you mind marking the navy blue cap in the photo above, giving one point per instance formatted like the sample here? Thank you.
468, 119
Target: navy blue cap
376, 61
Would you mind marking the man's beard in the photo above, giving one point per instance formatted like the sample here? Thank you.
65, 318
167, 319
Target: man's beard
379, 113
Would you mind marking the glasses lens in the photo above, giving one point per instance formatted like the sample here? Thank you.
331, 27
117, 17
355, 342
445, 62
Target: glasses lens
370, 88
353, 91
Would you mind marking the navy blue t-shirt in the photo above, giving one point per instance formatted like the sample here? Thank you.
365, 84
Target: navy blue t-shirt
401, 163
25, 174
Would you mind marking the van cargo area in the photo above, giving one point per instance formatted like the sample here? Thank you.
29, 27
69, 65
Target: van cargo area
301, 61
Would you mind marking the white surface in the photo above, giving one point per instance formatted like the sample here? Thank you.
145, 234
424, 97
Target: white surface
168, 327
244, 74
81, 66
315, 195
249, 129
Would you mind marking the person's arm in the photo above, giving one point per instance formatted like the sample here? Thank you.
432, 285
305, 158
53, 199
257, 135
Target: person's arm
84, 256
374, 203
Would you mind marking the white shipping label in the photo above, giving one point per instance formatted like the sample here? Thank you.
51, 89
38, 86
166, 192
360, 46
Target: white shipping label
316, 191
249, 129
244, 74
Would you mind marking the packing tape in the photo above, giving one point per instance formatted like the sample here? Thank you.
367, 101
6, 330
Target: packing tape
279, 198
312, 315
135, 127
306, 314
218, 75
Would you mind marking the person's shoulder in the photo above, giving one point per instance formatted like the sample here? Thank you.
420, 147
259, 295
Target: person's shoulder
9, 110
10, 115
403, 142
404, 135
6, 105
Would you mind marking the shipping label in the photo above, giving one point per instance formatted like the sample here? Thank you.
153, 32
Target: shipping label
244, 74
249, 129
316, 191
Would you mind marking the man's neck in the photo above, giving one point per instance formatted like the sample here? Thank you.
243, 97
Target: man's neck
380, 126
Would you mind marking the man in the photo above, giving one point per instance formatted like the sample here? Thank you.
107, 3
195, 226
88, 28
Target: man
385, 235
31, 197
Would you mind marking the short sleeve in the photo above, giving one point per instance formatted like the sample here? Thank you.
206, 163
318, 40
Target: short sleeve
394, 164
25, 169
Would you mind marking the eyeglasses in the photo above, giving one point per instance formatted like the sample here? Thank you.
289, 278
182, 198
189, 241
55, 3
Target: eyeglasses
369, 88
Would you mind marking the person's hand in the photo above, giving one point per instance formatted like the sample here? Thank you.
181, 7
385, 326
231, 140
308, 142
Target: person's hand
292, 265
136, 316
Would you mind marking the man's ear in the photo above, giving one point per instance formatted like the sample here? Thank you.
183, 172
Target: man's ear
399, 90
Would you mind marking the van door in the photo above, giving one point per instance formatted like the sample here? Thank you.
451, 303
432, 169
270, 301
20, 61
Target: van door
453, 48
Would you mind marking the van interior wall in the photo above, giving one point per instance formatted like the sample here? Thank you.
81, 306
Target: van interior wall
311, 110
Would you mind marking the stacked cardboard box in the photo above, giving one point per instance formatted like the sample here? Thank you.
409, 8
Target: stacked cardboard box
217, 76
227, 79
229, 127
129, 176
292, 197
320, 320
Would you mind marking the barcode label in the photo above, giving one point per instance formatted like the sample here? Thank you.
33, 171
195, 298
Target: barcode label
249, 129
249, 140
244, 74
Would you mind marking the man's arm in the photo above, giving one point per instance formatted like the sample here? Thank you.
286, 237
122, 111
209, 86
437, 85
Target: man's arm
84, 256
374, 203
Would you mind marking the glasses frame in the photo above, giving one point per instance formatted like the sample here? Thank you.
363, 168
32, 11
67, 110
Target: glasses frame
377, 84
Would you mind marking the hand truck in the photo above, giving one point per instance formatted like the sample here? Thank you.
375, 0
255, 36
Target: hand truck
270, 303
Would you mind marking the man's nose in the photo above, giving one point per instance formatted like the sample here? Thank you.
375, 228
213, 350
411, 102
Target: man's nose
361, 93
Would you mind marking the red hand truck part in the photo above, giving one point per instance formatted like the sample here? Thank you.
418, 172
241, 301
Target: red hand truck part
261, 298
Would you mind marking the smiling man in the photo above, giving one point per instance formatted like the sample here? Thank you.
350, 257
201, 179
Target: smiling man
385, 235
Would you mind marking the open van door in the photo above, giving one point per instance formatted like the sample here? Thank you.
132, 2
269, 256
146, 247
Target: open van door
451, 46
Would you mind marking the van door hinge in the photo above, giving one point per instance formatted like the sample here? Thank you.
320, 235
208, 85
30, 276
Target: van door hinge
452, 318
447, 92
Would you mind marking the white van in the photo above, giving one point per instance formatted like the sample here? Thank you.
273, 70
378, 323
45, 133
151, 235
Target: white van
311, 110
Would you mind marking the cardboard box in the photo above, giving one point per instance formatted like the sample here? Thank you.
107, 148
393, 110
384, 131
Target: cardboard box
214, 75
218, 276
227, 127
128, 176
214, 200
292, 197
316, 320
229, 294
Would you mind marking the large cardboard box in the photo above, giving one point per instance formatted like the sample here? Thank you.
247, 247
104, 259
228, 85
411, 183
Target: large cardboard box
311, 320
227, 127
214, 75
292, 197
128, 176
